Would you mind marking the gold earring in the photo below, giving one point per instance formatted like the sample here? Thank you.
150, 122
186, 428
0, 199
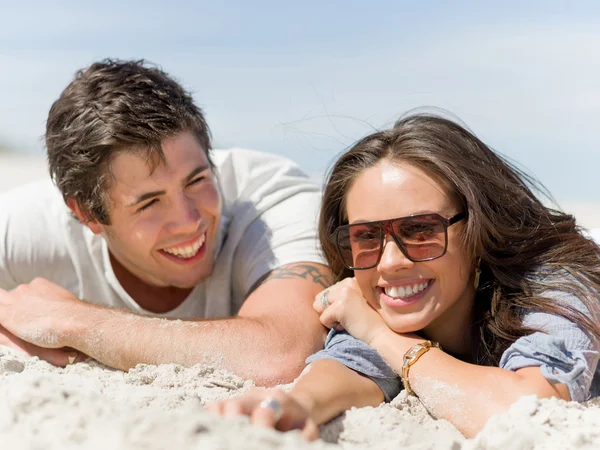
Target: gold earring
477, 273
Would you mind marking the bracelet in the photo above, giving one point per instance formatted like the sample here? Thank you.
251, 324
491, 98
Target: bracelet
412, 356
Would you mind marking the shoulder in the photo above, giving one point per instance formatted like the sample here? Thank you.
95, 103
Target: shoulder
37, 230
253, 182
39, 201
250, 173
252, 160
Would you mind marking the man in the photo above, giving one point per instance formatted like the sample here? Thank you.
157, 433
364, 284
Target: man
148, 222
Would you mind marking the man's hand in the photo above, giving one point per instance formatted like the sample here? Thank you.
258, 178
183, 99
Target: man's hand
38, 313
57, 357
348, 310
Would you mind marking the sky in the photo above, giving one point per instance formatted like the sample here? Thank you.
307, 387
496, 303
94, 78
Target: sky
307, 79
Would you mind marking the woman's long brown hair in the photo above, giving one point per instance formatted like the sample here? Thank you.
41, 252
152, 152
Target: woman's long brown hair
526, 248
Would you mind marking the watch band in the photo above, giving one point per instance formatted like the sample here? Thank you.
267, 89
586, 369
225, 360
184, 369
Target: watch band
412, 356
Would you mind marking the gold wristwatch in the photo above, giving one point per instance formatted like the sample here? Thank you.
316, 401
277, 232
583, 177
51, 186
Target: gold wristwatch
412, 356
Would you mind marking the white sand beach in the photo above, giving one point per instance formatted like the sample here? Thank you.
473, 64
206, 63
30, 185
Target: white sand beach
86, 405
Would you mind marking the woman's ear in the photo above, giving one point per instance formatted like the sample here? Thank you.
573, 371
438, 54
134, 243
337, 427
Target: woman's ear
95, 226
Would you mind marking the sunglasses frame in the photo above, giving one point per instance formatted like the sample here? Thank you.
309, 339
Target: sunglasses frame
386, 225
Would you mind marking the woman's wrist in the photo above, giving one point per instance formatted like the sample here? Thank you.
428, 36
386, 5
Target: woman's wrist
390, 339
305, 400
392, 347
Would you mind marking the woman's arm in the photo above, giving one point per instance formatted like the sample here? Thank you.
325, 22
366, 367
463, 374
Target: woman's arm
328, 388
465, 394
325, 389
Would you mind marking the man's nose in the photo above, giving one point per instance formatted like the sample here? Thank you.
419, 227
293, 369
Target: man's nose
186, 215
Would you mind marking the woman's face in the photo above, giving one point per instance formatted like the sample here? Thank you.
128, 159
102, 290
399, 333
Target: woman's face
427, 296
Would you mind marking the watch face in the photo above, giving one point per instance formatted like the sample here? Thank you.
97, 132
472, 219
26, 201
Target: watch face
414, 351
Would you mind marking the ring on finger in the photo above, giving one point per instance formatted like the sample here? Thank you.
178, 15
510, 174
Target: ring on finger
324, 300
273, 405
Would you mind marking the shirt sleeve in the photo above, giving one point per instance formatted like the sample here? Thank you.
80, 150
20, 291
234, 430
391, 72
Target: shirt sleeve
273, 218
286, 233
31, 235
562, 350
360, 357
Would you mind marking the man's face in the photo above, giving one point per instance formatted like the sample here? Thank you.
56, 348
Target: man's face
163, 223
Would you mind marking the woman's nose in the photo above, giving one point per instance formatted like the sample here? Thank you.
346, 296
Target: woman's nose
393, 258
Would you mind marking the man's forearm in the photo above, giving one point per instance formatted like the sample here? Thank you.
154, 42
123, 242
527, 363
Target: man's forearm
253, 348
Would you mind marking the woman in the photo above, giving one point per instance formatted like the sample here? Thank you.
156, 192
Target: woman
452, 277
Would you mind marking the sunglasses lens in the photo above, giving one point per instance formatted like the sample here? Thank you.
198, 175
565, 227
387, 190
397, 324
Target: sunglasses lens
359, 245
424, 237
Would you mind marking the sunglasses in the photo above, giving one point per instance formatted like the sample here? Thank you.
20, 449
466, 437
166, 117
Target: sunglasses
421, 237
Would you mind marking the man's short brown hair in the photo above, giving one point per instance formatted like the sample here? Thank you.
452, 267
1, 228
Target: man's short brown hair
114, 106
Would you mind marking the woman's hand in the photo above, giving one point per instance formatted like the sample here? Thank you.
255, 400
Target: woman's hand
342, 306
271, 408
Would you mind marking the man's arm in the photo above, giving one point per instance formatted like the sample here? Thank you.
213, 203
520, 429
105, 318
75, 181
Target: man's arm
268, 341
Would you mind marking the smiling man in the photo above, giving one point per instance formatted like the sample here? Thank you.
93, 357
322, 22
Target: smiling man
150, 247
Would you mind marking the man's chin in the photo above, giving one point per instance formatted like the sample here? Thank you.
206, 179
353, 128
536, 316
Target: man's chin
189, 283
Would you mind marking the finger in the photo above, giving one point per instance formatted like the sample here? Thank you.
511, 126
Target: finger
215, 408
3, 294
310, 432
329, 317
233, 408
58, 357
39, 282
318, 304
264, 417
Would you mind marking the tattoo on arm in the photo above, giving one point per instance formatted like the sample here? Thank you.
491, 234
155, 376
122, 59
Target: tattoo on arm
313, 272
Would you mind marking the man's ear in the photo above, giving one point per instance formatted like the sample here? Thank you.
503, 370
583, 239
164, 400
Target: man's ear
95, 226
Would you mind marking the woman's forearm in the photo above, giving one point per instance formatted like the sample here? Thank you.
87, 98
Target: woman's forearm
327, 388
465, 394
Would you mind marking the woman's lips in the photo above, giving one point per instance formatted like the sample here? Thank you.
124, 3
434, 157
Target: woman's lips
404, 300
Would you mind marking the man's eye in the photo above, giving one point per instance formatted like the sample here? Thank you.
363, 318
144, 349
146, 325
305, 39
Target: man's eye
197, 180
147, 205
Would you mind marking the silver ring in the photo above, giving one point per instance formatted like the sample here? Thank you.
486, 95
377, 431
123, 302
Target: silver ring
324, 300
273, 405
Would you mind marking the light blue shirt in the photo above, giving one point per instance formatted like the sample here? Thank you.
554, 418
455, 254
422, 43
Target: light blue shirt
564, 353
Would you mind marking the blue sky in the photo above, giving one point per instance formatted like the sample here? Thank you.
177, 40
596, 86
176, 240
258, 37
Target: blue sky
306, 79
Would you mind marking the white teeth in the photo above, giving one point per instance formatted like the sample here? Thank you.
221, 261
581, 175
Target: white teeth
188, 251
405, 291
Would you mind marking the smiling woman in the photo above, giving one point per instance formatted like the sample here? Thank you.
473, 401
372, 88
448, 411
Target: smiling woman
453, 281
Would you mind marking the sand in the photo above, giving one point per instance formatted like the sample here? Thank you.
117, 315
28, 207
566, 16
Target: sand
87, 405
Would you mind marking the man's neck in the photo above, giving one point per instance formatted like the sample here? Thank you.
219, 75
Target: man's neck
155, 299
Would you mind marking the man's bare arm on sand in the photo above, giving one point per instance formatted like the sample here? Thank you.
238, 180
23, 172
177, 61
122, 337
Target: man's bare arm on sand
268, 341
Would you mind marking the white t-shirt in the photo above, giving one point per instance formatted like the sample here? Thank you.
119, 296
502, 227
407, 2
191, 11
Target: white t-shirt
270, 210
